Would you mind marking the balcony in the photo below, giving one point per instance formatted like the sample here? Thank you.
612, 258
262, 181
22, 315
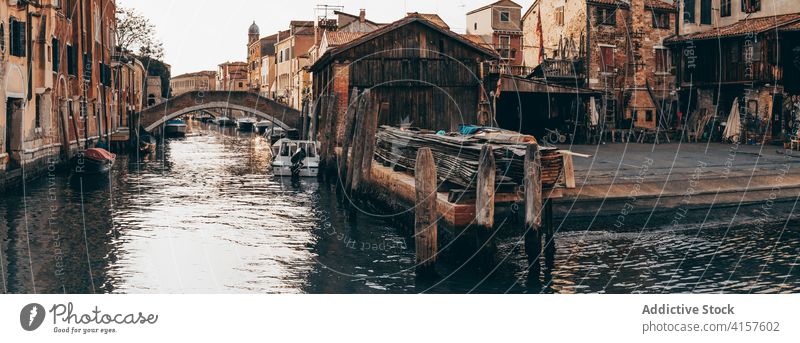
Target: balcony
561, 69
505, 69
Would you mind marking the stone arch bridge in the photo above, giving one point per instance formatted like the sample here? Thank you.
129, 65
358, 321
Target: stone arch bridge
281, 115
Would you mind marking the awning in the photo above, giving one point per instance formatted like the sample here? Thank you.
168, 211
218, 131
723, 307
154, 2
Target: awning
740, 28
512, 84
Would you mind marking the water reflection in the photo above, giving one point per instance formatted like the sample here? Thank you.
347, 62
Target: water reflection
205, 216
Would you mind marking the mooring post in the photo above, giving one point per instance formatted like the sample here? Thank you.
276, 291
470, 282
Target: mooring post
349, 123
330, 148
358, 153
425, 228
369, 138
484, 203
533, 212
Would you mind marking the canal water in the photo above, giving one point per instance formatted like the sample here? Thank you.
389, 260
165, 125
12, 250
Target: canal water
206, 216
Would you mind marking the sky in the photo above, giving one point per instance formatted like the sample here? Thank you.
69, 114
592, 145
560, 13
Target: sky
201, 34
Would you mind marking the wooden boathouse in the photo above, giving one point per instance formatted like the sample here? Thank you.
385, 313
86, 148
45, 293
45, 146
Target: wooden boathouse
430, 75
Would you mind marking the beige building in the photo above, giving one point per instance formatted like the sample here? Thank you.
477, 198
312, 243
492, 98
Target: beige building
191, 82
257, 49
232, 76
292, 81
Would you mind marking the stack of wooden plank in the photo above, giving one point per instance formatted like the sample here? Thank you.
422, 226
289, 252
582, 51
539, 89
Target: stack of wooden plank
457, 156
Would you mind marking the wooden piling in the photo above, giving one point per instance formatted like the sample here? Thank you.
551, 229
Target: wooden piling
359, 148
484, 203
425, 228
371, 120
533, 212
349, 123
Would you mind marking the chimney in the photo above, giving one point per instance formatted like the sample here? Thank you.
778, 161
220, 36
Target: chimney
362, 17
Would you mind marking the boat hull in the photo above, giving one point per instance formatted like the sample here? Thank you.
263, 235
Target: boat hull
246, 127
175, 131
287, 171
88, 166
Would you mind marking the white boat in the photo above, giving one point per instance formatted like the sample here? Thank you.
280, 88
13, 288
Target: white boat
224, 121
295, 158
246, 124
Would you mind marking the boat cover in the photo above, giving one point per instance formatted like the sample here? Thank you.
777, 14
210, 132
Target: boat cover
99, 154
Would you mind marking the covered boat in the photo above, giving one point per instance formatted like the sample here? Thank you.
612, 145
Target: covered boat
175, 128
246, 124
93, 161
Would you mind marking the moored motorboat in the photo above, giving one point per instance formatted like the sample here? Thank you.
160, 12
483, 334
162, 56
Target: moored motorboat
175, 128
295, 158
224, 121
246, 124
275, 134
263, 126
93, 161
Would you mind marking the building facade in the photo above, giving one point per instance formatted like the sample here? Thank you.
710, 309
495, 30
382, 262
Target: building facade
232, 76
741, 53
499, 25
292, 78
612, 47
191, 82
58, 85
257, 49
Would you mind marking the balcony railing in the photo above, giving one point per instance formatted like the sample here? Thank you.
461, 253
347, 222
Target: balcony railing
562, 69
505, 69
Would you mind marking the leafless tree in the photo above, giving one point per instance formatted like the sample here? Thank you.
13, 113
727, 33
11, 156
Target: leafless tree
136, 34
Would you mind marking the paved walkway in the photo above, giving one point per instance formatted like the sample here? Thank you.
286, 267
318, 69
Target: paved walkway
678, 161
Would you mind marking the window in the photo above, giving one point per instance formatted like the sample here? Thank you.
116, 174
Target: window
560, 16
648, 115
606, 16
504, 47
705, 12
725, 8
56, 55
607, 59
660, 20
751, 6
475, 26
662, 60
38, 111
2, 38
69, 7
688, 11
505, 16
72, 61
17, 39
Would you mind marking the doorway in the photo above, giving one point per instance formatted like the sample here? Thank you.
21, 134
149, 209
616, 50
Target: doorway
13, 141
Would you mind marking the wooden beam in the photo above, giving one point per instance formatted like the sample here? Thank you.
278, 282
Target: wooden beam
484, 205
425, 227
569, 171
